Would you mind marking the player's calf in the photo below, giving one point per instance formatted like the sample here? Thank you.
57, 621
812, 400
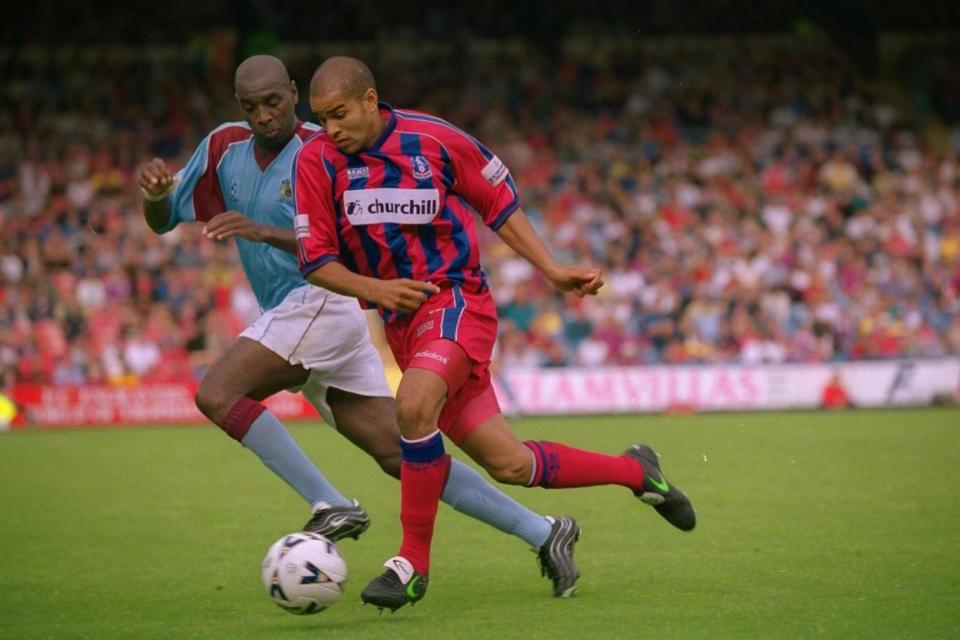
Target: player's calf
509, 467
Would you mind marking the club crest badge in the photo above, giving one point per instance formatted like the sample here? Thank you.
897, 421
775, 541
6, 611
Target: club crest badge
421, 168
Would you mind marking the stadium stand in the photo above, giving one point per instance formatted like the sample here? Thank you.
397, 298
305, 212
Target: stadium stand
754, 200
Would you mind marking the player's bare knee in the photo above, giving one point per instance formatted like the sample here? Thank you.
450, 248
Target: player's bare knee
212, 404
414, 417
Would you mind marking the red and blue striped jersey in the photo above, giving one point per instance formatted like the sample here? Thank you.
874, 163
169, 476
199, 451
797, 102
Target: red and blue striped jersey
404, 207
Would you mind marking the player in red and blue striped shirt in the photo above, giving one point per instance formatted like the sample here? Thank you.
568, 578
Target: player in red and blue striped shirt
404, 203
306, 338
385, 202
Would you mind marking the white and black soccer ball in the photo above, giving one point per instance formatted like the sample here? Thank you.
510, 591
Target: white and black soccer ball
304, 573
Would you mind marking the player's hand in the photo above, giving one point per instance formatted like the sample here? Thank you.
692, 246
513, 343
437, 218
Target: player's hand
402, 294
582, 281
230, 224
155, 178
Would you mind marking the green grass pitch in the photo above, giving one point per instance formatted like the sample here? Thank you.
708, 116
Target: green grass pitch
811, 525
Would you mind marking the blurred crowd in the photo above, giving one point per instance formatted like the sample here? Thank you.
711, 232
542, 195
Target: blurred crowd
752, 202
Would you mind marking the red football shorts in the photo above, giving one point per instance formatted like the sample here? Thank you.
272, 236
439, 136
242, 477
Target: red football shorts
452, 334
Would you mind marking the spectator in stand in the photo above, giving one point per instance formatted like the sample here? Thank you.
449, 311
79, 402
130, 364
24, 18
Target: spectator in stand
806, 219
834, 394
8, 409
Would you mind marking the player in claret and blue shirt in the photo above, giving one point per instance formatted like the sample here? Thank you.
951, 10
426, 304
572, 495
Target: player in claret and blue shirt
238, 184
386, 200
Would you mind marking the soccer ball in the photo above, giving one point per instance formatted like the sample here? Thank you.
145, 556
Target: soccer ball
304, 573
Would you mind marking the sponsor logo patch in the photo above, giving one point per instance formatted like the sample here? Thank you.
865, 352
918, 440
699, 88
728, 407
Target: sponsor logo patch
403, 569
433, 355
495, 172
358, 173
424, 327
391, 206
301, 225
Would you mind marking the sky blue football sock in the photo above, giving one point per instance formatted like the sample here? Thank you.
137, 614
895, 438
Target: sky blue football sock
468, 492
269, 439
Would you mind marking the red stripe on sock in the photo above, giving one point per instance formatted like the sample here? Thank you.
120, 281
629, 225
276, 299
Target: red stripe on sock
421, 484
241, 416
567, 467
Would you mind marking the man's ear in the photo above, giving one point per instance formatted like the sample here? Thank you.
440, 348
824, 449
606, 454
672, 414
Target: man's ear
370, 99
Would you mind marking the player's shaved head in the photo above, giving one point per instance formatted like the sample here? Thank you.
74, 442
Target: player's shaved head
268, 99
343, 98
258, 72
342, 74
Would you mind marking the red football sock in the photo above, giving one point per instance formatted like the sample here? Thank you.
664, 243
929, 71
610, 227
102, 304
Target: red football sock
559, 466
423, 474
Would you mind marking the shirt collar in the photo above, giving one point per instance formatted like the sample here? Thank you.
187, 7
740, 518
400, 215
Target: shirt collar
387, 130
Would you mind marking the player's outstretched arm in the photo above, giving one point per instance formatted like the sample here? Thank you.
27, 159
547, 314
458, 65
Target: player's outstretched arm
230, 224
393, 295
157, 182
520, 236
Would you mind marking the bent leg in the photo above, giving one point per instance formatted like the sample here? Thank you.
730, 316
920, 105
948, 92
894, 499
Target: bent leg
546, 464
230, 395
370, 423
553, 465
495, 447
246, 369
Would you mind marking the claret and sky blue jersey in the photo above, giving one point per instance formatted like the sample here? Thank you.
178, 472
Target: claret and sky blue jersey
223, 175
403, 208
